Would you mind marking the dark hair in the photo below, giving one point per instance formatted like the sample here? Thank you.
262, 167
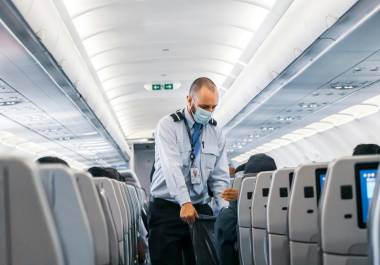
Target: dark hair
240, 168
258, 163
201, 82
104, 172
52, 160
366, 149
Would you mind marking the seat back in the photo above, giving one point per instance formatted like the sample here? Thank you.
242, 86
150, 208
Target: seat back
244, 218
277, 217
96, 217
374, 227
28, 233
106, 184
125, 218
129, 219
111, 228
303, 213
344, 209
69, 214
136, 213
259, 216
236, 183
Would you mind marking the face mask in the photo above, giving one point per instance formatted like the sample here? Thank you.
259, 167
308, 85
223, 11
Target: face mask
202, 116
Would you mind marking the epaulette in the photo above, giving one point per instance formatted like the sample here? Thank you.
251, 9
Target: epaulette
213, 122
177, 116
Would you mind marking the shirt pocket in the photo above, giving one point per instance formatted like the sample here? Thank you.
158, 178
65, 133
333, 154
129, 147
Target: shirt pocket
210, 154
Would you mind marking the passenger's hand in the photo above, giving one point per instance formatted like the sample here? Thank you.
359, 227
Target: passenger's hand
230, 194
188, 213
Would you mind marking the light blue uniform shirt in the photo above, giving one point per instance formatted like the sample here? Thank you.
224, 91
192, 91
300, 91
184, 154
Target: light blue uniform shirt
171, 180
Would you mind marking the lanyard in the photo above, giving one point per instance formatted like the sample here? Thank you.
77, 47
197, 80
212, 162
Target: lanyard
192, 155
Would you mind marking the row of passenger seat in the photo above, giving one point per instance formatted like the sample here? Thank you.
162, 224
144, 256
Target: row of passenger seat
312, 214
50, 214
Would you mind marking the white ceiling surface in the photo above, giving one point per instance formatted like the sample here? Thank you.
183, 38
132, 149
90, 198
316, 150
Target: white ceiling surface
132, 43
45, 20
353, 61
299, 27
38, 119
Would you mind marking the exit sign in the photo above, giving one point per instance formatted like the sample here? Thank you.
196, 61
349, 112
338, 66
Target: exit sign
156, 87
168, 86
162, 86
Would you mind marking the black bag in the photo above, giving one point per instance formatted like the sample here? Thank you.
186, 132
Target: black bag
203, 239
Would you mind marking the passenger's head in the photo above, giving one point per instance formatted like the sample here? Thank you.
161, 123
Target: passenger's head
103, 172
366, 149
202, 99
113, 173
52, 160
128, 178
259, 163
240, 168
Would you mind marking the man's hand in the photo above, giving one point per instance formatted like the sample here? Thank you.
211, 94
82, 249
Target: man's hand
230, 194
188, 213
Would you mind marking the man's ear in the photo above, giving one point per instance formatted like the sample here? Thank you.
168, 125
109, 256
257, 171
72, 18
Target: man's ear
188, 99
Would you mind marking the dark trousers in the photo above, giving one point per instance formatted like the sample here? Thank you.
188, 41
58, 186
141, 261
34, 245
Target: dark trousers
169, 237
226, 236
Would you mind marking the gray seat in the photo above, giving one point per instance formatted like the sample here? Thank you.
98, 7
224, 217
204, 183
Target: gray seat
69, 214
136, 214
106, 184
28, 234
259, 217
244, 219
374, 227
344, 209
277, 217
124, 217
111, 228
303, 215
129, 219
96, 218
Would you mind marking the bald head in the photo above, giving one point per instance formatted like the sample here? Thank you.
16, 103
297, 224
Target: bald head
202, 82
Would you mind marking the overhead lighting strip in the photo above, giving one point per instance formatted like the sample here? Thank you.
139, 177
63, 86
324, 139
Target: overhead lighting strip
356, 112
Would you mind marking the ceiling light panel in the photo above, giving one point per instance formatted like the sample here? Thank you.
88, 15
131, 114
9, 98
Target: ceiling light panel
128, 46
35, 112
338, 79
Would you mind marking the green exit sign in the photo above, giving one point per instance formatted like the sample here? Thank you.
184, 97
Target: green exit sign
168, 86
156, 87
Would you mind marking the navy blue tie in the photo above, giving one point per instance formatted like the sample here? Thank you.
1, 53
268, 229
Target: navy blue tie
196, 138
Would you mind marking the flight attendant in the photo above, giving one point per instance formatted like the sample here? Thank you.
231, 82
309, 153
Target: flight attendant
191, 165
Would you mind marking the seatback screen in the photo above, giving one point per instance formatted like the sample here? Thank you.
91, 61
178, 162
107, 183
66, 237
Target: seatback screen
320, 178
365, 185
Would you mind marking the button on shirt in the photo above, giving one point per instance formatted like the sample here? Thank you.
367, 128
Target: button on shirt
171, 180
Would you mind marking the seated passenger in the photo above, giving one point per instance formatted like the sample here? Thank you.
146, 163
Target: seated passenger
104, 172
226, 223
366, 149
240, 168
52, 160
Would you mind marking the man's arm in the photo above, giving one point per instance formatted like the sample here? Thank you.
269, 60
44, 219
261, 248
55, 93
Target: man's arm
220, 177
170, 160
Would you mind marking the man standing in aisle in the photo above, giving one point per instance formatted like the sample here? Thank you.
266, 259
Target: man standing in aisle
190, 166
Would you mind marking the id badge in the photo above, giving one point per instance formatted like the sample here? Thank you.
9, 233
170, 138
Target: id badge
195, 175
